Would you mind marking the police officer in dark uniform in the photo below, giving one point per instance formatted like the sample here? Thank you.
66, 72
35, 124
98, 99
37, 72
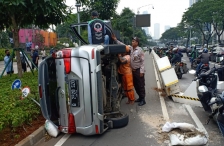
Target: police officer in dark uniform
97, 30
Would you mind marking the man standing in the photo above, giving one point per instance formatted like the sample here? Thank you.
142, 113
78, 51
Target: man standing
35, 58
9, 68
43, 54
23, 61
97, 30
138, 68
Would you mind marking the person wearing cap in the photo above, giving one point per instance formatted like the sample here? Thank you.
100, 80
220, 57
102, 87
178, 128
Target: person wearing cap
125, 71
138, 70
97, 30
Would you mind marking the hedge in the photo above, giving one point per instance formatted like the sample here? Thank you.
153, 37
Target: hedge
15, 112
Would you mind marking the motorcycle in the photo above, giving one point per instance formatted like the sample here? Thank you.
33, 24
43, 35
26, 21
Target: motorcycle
211, 99
180, 69
215, 106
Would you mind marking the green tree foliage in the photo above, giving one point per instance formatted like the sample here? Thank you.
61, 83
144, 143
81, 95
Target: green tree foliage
204, 13
105, 8
4, 39
124, 23
171, 34
16, 14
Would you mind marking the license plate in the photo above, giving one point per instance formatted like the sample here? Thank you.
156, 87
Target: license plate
74, 93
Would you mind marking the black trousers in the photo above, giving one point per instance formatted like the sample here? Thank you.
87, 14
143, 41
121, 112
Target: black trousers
24, 67
139, 83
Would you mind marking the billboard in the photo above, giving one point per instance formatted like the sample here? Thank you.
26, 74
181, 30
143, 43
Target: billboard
143, 20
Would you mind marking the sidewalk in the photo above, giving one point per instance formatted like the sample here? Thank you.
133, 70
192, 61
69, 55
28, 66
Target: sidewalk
2, 66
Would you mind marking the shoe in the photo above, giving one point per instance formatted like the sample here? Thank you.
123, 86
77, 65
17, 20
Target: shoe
138, 100
141, 103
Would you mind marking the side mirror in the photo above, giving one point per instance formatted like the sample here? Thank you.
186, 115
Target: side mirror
202, 89
192, 72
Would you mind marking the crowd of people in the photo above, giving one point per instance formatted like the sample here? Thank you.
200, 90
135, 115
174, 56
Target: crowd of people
34, 56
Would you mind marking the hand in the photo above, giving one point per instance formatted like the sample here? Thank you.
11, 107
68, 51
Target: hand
113, 37
141, 74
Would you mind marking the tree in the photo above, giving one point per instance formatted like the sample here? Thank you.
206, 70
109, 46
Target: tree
105, 8
171, 34
204, 13
21, 13
215, 12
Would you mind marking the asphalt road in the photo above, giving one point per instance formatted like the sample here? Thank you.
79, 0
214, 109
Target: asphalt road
144, 122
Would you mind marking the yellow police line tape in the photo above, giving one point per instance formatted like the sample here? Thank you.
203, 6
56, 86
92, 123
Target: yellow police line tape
186, 97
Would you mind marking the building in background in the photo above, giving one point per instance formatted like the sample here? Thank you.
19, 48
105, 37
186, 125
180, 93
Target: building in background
191, 2
156, 31
27, 35
166, 27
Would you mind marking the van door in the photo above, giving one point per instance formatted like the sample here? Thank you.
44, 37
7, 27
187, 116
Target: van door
47, 90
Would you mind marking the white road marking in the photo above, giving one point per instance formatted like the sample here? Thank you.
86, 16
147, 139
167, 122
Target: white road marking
183, 60
196, 119
163, 105
62, 140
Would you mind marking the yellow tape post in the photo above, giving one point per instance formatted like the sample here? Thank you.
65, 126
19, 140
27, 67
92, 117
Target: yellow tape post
186, 97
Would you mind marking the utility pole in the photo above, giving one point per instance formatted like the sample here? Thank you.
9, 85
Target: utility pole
77, 6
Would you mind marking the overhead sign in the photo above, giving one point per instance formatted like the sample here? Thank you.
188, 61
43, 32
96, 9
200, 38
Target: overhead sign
143, 20
25, 92
16, 84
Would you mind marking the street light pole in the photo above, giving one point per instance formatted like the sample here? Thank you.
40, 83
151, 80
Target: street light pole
78, 5
144, 6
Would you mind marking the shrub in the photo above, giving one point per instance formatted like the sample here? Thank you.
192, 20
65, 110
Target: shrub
14, 111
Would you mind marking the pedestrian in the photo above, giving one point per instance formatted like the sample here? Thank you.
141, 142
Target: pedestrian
43, 53
97, 31
138, 69
23, 61
125, 71
28, 46
7, 58
35, 58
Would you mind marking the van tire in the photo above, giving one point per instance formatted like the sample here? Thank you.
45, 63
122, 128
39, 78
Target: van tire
119, 122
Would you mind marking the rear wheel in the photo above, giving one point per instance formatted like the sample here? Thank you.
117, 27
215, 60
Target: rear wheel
179, 76
119, 120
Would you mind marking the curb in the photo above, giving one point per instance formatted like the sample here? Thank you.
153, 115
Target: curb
33, 138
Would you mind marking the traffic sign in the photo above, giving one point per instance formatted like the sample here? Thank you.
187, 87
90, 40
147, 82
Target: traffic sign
25, 92
16, 84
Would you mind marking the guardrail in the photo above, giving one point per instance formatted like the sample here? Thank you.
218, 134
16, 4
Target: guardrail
169, 81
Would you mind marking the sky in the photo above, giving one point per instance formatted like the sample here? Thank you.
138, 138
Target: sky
165, 12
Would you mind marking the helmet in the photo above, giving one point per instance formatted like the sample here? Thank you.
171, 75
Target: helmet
127, 49
175, 49
205, 50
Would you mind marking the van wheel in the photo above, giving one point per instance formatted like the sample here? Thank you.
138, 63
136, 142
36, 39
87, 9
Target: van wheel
119, 120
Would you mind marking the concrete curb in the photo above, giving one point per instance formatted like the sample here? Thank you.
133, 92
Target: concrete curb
33, 138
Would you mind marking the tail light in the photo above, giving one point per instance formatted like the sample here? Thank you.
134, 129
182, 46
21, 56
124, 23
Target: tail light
71, 123
205, 64
93, 53
40, 91
181, 64
97, 129
66, 55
